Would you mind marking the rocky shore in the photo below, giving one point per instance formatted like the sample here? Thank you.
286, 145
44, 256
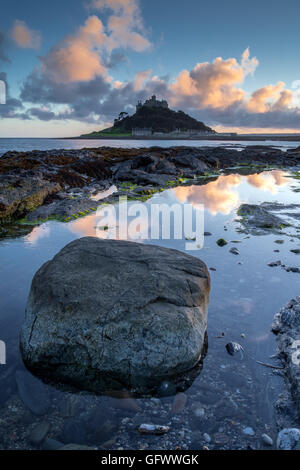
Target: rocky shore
61, 184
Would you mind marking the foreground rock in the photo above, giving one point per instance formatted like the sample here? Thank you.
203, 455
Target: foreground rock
286, 326
106, 315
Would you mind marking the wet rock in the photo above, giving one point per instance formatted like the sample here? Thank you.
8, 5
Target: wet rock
21, 195
153, 429
39, 433
292, 270
286, 326
257, 217
274, 264
288, 439
150, 327
296, 251
221, 242
267, 440
234, 251
33, 393
62, 210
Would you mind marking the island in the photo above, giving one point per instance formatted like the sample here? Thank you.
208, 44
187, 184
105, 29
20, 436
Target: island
154, 119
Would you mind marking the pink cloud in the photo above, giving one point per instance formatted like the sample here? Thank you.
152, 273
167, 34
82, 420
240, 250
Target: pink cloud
24, 36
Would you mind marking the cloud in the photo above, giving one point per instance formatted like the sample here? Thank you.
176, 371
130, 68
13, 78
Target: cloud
24, 36
269, 97
74, 83
212, 85
140, 79
77, 58
125, 26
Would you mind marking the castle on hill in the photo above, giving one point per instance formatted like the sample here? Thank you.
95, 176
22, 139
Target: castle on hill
152, 103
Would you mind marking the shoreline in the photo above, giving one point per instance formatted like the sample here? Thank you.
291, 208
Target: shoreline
37, 186
239, 138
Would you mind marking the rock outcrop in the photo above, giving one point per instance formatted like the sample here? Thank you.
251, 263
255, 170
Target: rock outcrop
286, 326
107, 315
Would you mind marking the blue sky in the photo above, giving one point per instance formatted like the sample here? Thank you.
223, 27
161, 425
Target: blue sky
164, 39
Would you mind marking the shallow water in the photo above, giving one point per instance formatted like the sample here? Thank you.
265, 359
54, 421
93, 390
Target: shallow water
28, 145
231, 393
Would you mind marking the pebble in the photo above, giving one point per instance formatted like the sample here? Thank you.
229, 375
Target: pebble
39, 433
267, 440
199, 412
248, 431
234, 251
207, 437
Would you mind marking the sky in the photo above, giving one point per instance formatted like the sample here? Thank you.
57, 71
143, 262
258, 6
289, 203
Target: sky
71, 66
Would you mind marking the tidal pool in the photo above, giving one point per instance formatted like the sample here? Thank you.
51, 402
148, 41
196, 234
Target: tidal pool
230, 394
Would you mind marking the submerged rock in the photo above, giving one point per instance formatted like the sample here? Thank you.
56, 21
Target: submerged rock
256, 219
288, 439
107, 315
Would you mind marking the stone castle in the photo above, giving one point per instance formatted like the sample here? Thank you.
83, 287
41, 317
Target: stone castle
153, 103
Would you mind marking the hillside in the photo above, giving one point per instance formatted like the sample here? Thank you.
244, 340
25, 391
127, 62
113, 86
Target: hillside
160, 120
157, 118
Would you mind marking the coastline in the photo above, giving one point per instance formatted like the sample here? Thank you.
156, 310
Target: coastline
237, 138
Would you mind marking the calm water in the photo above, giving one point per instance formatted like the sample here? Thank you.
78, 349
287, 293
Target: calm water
229, 394
49, 144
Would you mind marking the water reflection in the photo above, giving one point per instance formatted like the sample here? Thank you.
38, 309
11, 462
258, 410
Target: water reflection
221, 196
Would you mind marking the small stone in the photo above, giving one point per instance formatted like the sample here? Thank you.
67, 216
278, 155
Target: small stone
267, 440
199, 412
207, 234
220, 438
296, 252
243, 336
234, 251
39, 433
207, 437
274, 264
248, 431
221, 242
153, 429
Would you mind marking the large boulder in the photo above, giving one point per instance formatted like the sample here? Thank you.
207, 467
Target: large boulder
106, 315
